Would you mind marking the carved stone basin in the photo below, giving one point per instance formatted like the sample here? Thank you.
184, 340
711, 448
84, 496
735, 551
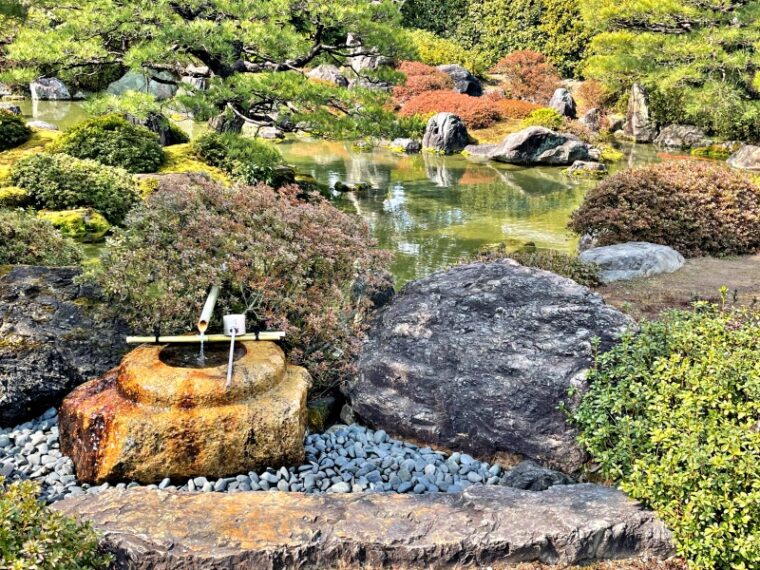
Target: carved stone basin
146, 419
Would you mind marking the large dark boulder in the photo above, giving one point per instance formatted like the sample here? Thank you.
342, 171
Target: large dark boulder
562, 102
464, 81
159, 124
539, 145
446, 134
49, 343
481, 357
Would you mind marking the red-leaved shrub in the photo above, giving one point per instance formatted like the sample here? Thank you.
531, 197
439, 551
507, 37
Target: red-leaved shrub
697, 208
419, 79
516, 108
475, 112
593, 94
528, 75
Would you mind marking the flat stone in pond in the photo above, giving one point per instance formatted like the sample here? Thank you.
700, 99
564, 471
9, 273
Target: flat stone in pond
482, 526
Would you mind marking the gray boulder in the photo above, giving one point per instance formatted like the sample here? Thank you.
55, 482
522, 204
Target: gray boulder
616, 122
10, 108
681, 137
165, 88
592, 120
530, 476
539, 145
328, 73
409, 146
42, 125
464, 81
48, 342
562, 102
445, 133
479, 150
587, 168
746, 158
480, 358
633, 260
482, 527
159, 124
639, 125
49, 89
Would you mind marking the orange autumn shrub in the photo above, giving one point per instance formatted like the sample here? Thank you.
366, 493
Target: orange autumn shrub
593, 94
475, 112
419, 79
528, 75
516, 108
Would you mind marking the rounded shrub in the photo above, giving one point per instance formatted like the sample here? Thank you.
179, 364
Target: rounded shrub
544, 117
113, 141
62, 182
27, 240
420, 78
671, 415
528, 75
247, 160
13, 130
14, 197
696, 207
476, 112
290, 264
34, 537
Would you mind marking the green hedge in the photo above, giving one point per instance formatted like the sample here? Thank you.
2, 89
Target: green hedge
673, 416
13, 131
247, 160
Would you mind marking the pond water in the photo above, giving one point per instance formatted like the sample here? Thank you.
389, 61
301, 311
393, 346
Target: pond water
429, 210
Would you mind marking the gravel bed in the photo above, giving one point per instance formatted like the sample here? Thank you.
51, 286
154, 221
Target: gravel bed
345, 459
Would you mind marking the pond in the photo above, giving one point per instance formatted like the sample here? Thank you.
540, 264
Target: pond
429, 210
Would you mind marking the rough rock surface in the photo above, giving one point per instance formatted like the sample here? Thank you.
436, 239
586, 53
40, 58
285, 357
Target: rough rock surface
49, 89
639, 125
42, 125
530, 476
329, 73
633, 260
159, 124
539, 145
409, 146
681, 137
480, 527
445, 133
10, 108
137, 81
592, 119
562, 102
464, 81
147, 420
587, 168
48, 343
746, 158
480, 357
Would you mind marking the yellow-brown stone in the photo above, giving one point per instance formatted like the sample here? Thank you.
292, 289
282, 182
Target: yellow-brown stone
146, 420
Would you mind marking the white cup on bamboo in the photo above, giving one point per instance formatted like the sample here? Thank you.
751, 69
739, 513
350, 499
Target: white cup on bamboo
234, 324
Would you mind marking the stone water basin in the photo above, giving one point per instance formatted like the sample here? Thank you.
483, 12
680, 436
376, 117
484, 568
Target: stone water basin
147, 419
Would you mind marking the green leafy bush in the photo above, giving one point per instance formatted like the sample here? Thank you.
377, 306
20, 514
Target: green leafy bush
62, 182
433, 15
13, 197
549, 260
27, 240
434, 50
292, 264
671, 415
544, 117
716, 151
113, 141
33, 537
249, 161
83, 225
696, 207
13, 130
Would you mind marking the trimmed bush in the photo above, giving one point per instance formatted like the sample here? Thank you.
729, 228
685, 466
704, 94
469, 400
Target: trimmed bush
62, 182
246, 160
14, 197
27, 240
113, 141
434, 50
34, 537
671, 416
544, 117
13, 130
549, 260
528, 75
476, 112
293, 265
420, 78
696, 207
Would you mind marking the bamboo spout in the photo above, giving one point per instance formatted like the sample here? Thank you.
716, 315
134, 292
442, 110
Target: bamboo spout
208, 309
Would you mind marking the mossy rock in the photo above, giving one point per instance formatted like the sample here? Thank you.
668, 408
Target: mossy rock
610, 154
84, 225
14, 197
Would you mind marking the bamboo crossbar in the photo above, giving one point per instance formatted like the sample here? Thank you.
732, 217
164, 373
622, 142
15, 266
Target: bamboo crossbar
270, 335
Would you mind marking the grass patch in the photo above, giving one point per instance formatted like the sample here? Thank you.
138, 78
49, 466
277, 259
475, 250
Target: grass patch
40, 139
180, 158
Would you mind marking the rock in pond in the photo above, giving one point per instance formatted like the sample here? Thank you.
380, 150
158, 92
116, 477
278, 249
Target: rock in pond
633, 260
464, 81
10, 108
586, 168
49, 342
480, 358
539, 145
562, 102
409, 146
483, 526
639, 125
49, 89
42, 125
746, 158
592, 120
446, 134
681, 137
148, 419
